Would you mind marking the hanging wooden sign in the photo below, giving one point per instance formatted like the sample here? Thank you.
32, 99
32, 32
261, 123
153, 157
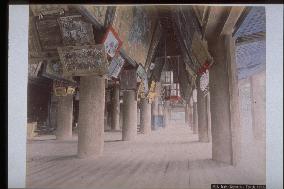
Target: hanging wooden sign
128, 80
83, 60
115, 66
141, 72
112, 42
75, 31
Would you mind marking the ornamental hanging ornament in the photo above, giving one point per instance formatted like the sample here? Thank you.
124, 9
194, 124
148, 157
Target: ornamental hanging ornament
204, 82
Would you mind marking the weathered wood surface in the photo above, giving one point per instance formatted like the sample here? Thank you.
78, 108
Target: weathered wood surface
83, 60
154, 44
169, 158
49, 33
98, 11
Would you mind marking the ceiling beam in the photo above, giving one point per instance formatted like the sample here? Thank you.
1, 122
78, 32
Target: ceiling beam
250, 38
232, 19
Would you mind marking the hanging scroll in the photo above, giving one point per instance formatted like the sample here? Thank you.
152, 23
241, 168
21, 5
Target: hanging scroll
115, 66
128, 79
112, 42
83, 60
75, 31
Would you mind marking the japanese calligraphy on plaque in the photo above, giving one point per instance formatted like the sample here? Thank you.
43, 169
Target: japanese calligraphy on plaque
83, 60
112, 42
75, 31
115, 66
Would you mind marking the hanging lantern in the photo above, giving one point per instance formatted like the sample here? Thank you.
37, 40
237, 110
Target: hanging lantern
172, 92
167, 78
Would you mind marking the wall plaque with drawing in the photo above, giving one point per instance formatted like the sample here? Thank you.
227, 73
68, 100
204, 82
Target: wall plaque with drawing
115, 66
75, 30
112, 42
83, 60
52, 69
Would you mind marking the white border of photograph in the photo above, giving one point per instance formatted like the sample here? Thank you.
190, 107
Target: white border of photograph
17, 94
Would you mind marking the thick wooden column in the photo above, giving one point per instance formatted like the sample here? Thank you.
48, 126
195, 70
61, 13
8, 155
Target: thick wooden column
145, 118
64, 117
202, 117
91, 116
115, 108
129, 127
224, 101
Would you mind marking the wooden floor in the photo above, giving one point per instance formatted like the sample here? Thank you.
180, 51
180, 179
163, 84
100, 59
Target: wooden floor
168, 158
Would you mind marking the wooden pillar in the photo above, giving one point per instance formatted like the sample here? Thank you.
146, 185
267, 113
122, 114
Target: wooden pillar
91, 116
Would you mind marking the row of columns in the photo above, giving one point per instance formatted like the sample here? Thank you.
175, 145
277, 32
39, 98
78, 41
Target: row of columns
219, 110
91, 115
